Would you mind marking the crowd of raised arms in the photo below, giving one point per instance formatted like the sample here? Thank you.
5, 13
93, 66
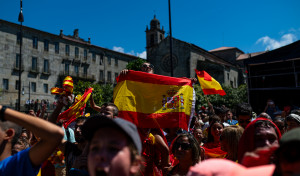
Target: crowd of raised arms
219, 141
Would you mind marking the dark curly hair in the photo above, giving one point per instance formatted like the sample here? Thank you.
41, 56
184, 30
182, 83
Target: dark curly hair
196, 151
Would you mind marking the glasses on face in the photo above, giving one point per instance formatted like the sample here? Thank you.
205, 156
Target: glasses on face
146, 66
183, 146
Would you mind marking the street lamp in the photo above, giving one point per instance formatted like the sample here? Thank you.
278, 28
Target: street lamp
20, 19
171, 52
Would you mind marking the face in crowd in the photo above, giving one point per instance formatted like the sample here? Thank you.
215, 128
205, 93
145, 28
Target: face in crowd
198, 134
77, 131
107, 111
111, 154
244, 120
147, 67
216, 131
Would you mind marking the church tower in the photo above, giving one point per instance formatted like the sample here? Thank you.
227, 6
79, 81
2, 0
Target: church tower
154, 35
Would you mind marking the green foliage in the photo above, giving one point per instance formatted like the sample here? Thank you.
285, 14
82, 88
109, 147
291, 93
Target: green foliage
102, 93
231, 99
135, 64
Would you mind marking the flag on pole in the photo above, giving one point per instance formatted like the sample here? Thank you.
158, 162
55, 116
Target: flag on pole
154, 101
208, 84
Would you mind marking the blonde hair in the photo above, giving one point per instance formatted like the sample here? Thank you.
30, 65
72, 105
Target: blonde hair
232, 135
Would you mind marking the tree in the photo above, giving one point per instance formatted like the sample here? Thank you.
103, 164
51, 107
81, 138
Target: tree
135, 64
231, 99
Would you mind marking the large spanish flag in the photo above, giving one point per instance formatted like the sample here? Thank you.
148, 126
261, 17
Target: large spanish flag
208, 84
154, 101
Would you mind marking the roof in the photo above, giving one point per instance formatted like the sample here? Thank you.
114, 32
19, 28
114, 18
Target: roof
67, 38
222, 48
249, 55
291, 51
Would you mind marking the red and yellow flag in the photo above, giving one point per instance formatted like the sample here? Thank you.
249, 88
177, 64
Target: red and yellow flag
76, 110
67, 87
154, 101
208, 84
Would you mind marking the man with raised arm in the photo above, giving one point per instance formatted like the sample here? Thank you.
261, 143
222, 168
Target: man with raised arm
28, 161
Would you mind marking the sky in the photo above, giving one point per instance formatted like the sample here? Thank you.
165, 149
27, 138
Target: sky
250, 25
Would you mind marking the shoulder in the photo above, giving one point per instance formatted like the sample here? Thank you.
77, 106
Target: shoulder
21, 161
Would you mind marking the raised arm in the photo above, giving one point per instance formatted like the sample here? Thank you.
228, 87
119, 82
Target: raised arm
93, 105
50, 135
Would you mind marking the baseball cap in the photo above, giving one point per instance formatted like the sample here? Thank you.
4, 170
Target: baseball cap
223, 167
99, 121
290, 136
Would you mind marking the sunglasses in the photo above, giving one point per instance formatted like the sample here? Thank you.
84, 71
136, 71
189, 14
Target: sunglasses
183, 146
146, 66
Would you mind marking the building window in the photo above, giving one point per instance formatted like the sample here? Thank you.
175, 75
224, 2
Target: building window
67, 68
17, 65
18, 38
108, 76
45, 88
34, 64
151, 39
101, 75
85, 54
76, 52
228, 76
17, 85
85, 70
116, 62
33, 86
46, 66
5, 84
56, 47
76, 69
101, 59
109, 60
35, 42
94, 56
67, 50
46, 45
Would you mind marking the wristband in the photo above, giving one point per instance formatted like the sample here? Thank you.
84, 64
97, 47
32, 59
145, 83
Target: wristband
2, 113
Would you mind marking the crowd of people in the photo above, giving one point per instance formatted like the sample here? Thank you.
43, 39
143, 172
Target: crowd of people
219, 141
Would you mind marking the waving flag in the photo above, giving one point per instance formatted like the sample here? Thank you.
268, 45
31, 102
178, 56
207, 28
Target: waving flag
76, 110
208, 84
67, 87
154, 101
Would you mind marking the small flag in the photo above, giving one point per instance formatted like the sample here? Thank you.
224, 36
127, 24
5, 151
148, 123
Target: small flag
208, 84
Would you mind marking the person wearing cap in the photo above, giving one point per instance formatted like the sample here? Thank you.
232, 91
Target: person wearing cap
114, 146
292, 121
288, 154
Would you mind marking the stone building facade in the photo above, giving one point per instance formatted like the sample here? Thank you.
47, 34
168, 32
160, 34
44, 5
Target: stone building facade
47, 59
186, 57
